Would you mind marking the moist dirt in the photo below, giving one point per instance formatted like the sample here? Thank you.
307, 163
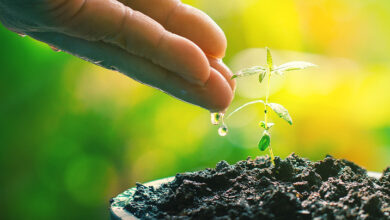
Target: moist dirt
294, 188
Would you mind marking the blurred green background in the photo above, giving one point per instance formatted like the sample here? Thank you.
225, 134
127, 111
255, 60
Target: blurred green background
73, 135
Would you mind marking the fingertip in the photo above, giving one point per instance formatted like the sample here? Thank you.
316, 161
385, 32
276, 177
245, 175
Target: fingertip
220, 95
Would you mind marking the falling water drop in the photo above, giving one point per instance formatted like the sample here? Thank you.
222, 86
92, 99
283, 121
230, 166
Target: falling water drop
216, 118
223, 130
55, 49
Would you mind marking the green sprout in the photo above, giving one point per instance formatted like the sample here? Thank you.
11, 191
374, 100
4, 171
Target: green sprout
264, 72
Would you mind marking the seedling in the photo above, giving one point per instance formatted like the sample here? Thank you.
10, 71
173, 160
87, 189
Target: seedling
264, 72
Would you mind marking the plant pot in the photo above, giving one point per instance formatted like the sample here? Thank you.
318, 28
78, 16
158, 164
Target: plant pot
118, 212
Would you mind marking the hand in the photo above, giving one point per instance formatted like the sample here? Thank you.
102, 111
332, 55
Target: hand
162, 43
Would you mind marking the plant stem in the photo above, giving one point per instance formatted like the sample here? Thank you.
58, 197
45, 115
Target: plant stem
268, 75
271, 153
268, 85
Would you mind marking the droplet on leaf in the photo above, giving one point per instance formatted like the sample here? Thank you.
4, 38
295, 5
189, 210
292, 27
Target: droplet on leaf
294, 65
250, 71
262, 124
268, 126
281, 111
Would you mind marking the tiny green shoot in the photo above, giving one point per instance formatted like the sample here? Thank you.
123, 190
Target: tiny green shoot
264, 73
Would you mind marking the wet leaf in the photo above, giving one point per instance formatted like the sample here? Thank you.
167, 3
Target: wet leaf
281, 112
262, 124
250, 71
265, 141
294, 65
269, 125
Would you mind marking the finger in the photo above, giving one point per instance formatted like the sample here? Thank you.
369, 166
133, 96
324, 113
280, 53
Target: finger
224, 70
112, 22
215, 95
185, 21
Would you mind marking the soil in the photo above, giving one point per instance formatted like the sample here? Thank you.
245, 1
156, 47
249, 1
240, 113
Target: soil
294, 188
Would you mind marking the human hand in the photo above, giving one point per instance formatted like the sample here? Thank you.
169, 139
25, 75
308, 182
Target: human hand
162, 43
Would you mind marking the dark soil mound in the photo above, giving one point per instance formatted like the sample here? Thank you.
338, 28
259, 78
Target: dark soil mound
294, 188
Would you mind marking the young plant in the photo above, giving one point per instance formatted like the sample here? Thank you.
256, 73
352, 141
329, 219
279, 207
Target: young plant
264, 72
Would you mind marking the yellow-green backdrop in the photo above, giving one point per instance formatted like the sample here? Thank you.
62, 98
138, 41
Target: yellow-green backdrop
72, 134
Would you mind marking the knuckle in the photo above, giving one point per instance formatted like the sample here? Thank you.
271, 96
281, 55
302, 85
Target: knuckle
117, 34
63, 11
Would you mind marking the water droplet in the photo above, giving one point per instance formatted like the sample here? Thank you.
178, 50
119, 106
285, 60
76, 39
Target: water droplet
216, 118
22, 35
55, 49
223, 130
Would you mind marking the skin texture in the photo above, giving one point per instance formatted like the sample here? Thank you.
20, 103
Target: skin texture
162, 43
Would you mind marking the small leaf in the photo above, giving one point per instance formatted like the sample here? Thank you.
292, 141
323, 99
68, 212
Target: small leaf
294, 65
265, 141
262, 124
269, 125
269, 59
281, 112
250, 71
262, 76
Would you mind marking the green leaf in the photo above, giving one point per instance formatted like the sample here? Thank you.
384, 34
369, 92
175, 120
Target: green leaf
269, 59
265, 141
269, 125
243, 106
262, 76
250, 71
281, 112
294, 65
262, 124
